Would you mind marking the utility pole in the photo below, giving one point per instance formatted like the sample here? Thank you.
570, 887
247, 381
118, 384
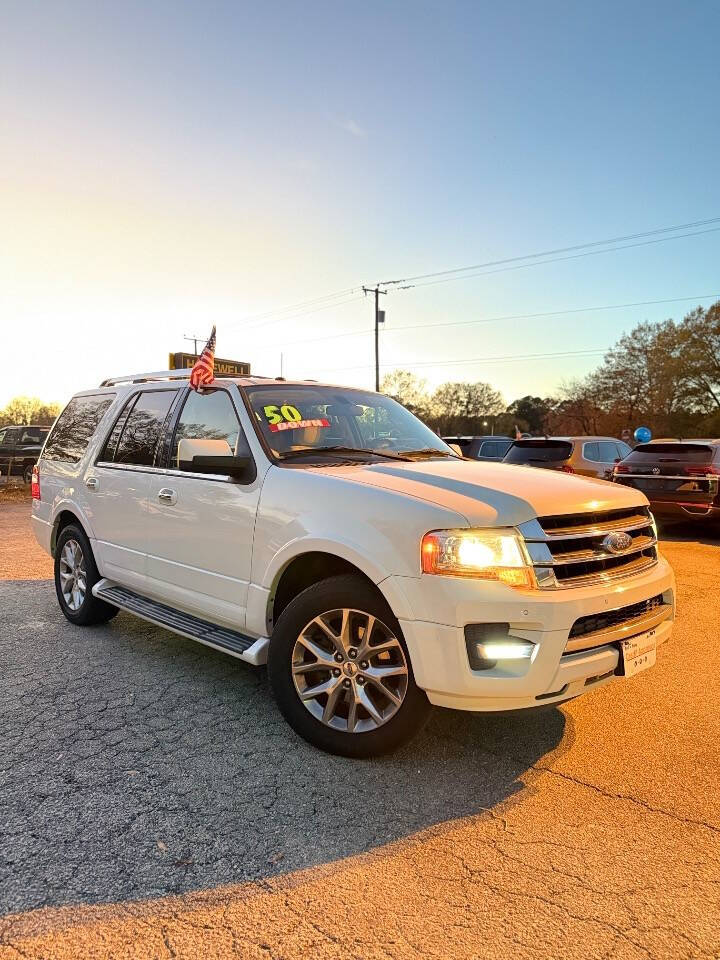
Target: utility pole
195, 342
379, 318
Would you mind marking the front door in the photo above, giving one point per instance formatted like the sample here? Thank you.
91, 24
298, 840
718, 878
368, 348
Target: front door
200, 527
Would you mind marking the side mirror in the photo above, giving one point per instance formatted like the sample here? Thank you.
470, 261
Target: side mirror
239, 468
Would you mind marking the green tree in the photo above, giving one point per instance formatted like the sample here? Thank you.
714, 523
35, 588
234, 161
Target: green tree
25, 410
407, 389
531, 411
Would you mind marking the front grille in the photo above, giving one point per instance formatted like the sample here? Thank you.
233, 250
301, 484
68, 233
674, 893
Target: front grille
599, 622
572, 550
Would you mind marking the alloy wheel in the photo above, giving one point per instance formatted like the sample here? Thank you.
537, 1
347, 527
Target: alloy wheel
73, 575
350, 670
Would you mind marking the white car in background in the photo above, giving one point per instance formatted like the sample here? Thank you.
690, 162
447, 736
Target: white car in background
328, 532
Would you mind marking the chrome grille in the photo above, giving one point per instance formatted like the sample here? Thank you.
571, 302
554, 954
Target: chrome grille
568, 550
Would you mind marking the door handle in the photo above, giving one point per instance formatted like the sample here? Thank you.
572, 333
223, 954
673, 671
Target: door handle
166, 495
91, 482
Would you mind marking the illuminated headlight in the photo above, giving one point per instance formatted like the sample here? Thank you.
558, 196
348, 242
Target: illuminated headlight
482, 554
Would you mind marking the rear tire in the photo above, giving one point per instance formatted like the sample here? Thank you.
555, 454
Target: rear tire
340, 670
75, 575
27, 474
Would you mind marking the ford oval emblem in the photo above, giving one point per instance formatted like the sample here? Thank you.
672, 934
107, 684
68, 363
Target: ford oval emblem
617, 542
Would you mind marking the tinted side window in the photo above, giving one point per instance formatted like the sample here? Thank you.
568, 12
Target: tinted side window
33, 435
608, 451
623, 449
108, 451
490, 448
591, 451
139, 439
207, 416
75, 426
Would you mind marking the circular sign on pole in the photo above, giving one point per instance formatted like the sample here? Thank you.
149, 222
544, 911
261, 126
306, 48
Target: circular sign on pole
643, 435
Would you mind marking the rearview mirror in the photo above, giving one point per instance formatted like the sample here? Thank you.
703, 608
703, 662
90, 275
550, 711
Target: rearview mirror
239, 468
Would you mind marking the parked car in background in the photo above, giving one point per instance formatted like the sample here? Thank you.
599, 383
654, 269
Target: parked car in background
20, 449
680, 478
587, 456
481, 448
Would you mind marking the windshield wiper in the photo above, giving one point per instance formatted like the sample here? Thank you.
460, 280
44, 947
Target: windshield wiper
342, 449
429, 452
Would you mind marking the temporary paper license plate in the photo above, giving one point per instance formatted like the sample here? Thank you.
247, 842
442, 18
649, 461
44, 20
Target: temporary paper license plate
638, 653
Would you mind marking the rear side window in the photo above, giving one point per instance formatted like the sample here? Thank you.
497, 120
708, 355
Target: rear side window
494, 448
75, 426
539, 451
138, 441
33, 435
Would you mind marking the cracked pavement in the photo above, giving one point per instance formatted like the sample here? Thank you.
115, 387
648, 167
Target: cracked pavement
154, 804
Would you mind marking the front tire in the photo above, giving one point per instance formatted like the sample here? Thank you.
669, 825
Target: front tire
75, 575
27, 474
341, 673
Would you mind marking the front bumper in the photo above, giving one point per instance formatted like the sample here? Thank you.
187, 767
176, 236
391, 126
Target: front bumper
433, 612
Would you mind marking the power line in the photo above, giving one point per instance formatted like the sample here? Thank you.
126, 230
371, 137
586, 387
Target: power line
549, 313
510, 358
539, 263
293, 307
547, 253
517, 316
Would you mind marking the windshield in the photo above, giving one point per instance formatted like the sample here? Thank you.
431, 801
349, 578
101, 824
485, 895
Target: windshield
296, 420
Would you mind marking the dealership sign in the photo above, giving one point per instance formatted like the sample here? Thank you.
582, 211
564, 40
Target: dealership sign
223, 368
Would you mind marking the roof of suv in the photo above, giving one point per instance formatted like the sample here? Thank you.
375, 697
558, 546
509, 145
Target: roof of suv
178, 376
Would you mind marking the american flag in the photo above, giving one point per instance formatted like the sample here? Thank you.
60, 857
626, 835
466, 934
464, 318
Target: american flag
203, 372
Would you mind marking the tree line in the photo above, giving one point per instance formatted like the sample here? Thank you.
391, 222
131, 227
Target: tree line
22, 411
663, 375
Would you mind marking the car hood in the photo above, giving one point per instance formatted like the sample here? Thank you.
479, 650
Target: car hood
492, 494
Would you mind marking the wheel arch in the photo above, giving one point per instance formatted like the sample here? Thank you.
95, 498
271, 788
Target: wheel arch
64, 518
303, 571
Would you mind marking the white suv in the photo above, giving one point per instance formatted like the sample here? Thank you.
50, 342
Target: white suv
328, 532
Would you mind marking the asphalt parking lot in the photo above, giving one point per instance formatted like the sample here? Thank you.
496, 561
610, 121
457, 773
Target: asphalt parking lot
154, 804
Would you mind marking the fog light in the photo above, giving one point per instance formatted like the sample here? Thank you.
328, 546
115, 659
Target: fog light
507, 650
486, 643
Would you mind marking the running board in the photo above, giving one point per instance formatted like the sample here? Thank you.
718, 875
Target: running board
252, 650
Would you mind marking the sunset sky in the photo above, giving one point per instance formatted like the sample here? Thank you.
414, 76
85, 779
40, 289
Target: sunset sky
169, 165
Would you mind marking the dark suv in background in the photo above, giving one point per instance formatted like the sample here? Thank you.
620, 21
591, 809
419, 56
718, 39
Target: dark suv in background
681, 478
481, 448
20, 450
588, 456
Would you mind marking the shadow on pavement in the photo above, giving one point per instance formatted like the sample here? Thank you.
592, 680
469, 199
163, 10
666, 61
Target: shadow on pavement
139, 764
693, 531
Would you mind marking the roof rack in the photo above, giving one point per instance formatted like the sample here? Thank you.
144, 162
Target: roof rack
178, 375
144, 377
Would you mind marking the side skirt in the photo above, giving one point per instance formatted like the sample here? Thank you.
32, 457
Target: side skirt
250, 649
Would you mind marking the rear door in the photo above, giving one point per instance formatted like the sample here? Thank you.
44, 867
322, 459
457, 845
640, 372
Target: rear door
681, 473
117, 486
200, 526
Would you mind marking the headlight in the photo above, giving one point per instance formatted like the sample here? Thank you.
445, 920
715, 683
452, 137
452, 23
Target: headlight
483, 554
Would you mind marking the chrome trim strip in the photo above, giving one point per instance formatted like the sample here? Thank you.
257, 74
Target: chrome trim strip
134, 468
666, 476
533, 531
584, 556
629, 628
603, 576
